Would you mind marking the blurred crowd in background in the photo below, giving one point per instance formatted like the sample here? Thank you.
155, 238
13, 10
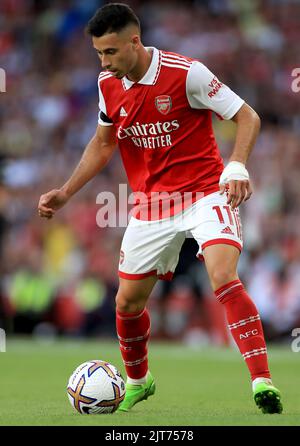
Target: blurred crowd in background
60, 276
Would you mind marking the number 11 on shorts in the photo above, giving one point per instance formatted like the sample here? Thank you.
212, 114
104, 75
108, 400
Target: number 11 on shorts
220, 214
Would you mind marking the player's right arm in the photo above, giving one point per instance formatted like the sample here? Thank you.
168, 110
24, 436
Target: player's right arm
95, 157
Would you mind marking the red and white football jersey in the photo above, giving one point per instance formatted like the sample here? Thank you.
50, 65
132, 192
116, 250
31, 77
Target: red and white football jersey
164, 126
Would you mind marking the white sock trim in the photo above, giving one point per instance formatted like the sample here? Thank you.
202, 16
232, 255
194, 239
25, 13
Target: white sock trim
139, 381
260, 380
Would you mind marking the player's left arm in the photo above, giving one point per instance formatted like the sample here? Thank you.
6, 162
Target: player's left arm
235, 177
205, 91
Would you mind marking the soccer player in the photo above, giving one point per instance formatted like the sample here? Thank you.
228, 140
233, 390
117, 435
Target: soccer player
157, 107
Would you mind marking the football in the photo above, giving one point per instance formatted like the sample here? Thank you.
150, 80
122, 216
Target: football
96, 387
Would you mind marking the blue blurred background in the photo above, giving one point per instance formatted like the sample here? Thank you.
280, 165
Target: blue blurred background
59, 277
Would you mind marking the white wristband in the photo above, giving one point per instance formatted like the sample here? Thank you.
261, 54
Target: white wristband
234, 171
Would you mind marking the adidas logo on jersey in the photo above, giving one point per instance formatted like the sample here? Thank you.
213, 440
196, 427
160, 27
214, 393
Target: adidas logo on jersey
227, 230
123, 112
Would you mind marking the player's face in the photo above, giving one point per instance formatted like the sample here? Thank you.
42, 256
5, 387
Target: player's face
118, 52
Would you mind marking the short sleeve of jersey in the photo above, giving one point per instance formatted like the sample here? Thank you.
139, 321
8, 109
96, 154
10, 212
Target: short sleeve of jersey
103, 119
205, 91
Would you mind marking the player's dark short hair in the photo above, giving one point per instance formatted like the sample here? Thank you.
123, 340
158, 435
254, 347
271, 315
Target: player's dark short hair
111, 18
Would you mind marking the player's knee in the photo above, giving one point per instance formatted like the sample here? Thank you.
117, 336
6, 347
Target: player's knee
129, 303
221, 276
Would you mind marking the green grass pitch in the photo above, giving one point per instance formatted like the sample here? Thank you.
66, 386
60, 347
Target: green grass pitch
195, 387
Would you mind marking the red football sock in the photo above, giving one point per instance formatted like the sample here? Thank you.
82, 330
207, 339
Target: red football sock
245, 326
133, 331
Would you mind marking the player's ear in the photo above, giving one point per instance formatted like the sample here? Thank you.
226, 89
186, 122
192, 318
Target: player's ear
136, 41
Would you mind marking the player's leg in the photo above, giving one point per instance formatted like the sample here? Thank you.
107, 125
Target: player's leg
133, 329
150, 250
133, 325
243, 321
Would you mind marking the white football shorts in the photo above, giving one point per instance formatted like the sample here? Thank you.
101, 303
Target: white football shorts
153, 247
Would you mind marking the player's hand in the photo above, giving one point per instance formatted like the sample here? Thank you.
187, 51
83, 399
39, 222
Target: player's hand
237, 191
50, 202
235, 182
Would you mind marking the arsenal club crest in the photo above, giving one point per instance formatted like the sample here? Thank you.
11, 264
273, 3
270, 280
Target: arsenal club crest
163, 104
